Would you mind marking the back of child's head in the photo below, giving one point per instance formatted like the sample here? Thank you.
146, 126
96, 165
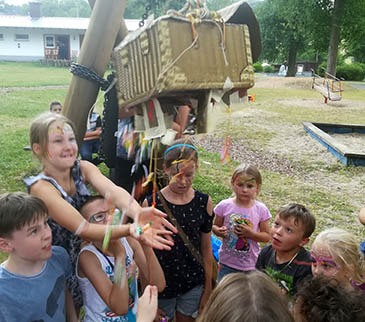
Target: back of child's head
343, 247
18, 209
322, 299
247, 170
180, 150
301, 214
249, 297
40, 126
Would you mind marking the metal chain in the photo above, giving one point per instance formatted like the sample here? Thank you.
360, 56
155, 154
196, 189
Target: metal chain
87, 73
148, 8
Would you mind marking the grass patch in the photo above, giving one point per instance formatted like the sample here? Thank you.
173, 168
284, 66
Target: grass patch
22, 74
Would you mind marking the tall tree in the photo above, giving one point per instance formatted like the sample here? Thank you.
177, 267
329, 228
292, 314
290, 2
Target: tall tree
335, 36
283, 29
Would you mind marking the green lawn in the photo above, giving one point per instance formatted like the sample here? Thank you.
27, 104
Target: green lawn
32, 74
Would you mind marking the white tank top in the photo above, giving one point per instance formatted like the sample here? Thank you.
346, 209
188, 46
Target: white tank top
96, 309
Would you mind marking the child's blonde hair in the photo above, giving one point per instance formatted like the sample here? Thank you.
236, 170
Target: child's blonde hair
248, 170
39, 129
344, 249
246, 297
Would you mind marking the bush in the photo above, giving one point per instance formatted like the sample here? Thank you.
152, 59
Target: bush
257, 67
354, 72
268, 69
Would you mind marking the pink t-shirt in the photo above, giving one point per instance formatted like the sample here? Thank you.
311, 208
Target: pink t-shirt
240, 254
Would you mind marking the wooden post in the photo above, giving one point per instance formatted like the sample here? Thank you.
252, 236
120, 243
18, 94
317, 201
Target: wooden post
95, 54
123, 30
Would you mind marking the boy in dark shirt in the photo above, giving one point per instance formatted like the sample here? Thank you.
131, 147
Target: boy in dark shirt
286, 260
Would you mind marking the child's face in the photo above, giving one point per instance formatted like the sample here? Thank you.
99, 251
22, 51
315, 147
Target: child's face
96, 212
181, 175
245, 188
56, 108
286, 234
33, 242
61, 147
324, 264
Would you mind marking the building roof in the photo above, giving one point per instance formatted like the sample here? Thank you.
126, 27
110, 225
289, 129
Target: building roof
53, 22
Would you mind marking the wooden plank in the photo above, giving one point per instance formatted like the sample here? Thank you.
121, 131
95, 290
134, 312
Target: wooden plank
342, 152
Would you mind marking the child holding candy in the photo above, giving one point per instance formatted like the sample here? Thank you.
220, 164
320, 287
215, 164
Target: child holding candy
107, 277
242, 222
62, 187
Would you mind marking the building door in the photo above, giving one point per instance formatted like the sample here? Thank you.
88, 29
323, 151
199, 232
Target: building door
63, 44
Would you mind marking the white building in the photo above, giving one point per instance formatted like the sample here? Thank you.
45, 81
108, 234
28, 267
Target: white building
29, 38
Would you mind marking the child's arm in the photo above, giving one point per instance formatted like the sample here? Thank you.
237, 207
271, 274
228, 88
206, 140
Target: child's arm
147, 305
362, 215
114, 295
206, 251
245, 231
68, 217
218, 228
142, 255
71, 315
207, 254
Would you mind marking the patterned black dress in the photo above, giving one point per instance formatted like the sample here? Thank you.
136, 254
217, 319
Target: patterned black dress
182, 271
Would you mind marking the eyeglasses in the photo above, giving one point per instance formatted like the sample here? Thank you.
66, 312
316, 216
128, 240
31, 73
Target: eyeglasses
98, 217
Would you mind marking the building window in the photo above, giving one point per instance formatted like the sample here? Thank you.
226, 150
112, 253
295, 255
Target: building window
21, 37
1, 37
49, 41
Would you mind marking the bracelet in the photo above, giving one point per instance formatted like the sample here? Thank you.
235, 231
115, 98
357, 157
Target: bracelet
140, 230
81, 228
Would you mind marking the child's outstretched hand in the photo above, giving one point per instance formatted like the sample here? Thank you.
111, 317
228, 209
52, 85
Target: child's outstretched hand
243, 231
147, 305
157, 235
222, 232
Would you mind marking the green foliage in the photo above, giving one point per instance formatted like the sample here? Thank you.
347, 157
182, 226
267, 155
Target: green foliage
268, 69
257, 67
354, 72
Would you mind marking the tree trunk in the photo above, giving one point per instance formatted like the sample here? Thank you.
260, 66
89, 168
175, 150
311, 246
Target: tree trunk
95, 54
292, 58
335, 37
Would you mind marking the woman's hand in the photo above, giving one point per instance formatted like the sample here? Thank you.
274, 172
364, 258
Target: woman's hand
147, 305
155, 235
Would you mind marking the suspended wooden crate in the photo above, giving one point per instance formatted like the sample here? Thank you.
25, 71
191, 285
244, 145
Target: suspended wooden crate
160, 61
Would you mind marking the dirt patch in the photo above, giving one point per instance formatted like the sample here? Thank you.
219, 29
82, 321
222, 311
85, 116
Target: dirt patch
244, 153
281, 82
318, 103
15, 89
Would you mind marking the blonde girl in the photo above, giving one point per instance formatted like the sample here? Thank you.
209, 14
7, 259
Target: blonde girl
62, 187
335, 253
242, 222
246, 298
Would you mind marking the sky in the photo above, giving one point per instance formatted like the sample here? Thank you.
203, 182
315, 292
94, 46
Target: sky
16, 2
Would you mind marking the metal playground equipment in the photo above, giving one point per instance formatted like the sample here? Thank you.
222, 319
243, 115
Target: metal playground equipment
329, 86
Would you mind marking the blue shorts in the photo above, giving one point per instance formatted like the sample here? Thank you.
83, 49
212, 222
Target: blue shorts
225, 270
186, 304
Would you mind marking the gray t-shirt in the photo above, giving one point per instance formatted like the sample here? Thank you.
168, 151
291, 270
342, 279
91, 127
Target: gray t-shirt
37, 298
